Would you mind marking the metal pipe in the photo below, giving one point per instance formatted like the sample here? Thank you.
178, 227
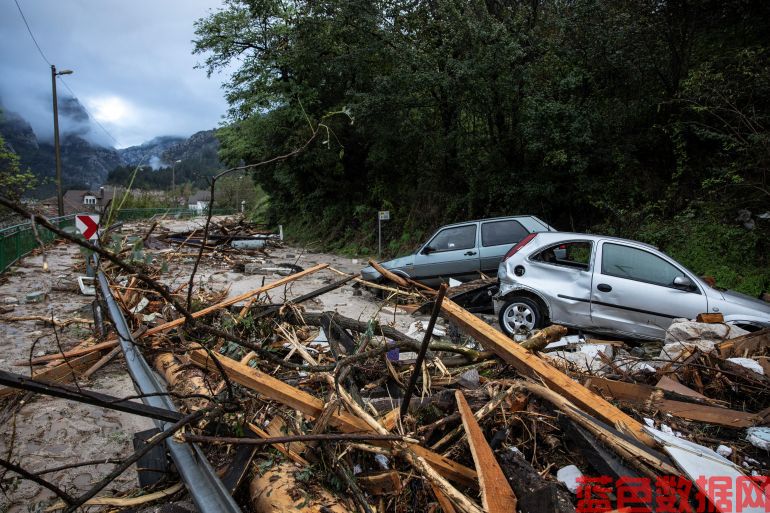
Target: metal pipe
207, 491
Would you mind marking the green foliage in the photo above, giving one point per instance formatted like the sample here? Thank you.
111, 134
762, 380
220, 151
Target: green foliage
13, 180
616, 116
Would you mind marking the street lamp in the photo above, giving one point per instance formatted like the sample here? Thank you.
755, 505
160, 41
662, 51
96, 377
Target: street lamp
57, 153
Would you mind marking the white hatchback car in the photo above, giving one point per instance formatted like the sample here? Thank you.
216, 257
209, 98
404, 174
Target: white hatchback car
608, 285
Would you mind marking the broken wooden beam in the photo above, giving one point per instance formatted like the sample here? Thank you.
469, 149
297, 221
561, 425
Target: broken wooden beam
652, 398
496, 493
531, 365
398, 280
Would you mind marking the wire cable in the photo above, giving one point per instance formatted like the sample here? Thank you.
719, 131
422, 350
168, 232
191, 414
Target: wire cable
31, 34
42, 54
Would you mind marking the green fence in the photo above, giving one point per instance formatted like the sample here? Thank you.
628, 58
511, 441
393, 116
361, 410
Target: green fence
16, 241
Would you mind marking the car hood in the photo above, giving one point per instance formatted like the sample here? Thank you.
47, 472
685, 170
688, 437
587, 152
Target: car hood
736, 298
396, 263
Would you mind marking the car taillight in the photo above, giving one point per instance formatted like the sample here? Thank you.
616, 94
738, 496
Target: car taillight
523, 242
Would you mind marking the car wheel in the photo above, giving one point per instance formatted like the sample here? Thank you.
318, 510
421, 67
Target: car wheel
520, 314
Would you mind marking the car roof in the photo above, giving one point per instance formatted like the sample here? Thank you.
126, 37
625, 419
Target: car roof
556, 236
500, 218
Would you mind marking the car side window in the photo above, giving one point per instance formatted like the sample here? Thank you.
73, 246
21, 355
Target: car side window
637, 264
496, 233
458, 237
576, 254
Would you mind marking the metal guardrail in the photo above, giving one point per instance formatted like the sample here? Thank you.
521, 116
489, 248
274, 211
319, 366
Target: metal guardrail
206, 489
18, 240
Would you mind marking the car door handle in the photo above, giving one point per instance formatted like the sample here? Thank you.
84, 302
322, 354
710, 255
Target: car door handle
604, 287
470, 253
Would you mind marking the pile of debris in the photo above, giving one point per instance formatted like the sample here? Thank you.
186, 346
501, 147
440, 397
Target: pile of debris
310, 412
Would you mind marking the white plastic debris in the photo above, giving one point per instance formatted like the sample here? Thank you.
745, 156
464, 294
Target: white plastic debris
748, 363
759, 437
649, 422
569, 475
357, 470
382, 461
141, 305
454, 283
666, 429
417, 330
724, 451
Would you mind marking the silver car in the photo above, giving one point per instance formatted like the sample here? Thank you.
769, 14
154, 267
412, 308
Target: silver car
461, 250
608, 285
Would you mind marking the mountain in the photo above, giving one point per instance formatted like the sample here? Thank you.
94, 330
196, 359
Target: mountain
84, 164
200, 149
188, 161
149, 153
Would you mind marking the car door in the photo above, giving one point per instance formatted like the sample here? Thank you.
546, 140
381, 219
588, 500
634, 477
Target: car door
561, 273
633, 291
451, 253
497, 237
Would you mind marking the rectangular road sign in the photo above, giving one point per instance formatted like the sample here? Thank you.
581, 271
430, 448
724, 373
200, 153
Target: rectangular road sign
88, 225
384, 215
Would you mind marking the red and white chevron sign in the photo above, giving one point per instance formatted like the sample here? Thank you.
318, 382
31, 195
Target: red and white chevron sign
87, 225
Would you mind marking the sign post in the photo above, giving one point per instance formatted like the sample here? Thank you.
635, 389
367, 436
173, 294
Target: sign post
383, 215
88, 225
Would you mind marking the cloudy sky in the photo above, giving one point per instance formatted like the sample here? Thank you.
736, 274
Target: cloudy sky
133, 64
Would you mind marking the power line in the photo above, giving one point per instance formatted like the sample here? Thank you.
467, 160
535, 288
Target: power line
87, 111
42, 54
31, 34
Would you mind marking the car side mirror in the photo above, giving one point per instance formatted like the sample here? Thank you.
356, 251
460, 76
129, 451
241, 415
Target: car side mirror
684, 283
427, 250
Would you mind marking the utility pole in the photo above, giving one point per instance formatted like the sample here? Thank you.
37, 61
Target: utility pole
57, 152
173, 183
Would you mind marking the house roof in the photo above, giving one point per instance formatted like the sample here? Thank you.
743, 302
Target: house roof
200, 196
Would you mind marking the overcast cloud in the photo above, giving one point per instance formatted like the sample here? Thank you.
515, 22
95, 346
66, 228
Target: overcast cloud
134, 70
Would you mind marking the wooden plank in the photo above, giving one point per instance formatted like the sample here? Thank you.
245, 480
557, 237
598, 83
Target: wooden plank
398, 280
666, 383
531, 365
178, 322
650, 397
443, 500
710, 318
496, 493
282, 448
311, 406
380, 483
749, 344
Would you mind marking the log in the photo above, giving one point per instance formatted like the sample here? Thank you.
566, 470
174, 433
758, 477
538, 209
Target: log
542, 338
278, 490
398, 280
529, 364
496, 493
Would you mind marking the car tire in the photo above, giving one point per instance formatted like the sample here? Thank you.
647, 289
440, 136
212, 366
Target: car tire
520, 312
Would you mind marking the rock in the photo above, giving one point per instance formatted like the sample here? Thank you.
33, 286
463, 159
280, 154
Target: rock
684, 334
586, 358
724, 451
759, 437
252, 268
569, 476
469, 379
10, 300
35, 297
